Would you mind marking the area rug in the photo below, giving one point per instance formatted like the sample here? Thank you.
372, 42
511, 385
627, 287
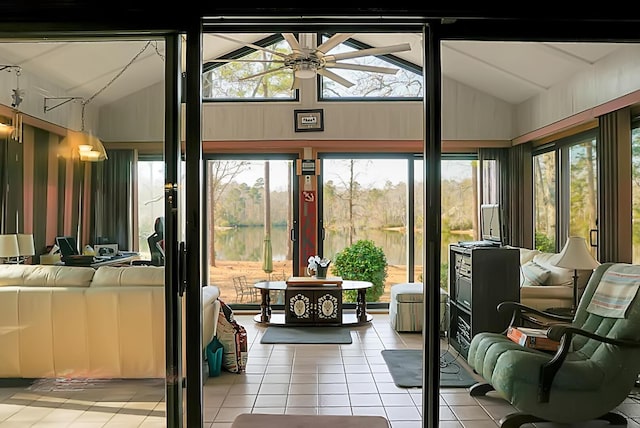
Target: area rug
13, 382
307, 335
405, 366
266, 420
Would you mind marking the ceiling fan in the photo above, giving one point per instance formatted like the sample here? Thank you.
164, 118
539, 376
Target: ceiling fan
306, 62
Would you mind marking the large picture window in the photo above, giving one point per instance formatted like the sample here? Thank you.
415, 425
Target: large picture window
150, 201
249, 206
544, 189
565, 190
230, 77
369, 198
405, 84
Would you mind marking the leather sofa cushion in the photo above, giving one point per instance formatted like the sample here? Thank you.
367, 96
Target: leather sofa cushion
527, 255
126, 276
557, 275
533, 274
45, 276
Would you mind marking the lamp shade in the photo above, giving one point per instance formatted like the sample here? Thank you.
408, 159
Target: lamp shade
87, 146
5, 129
575, 255
25, 244
9, 246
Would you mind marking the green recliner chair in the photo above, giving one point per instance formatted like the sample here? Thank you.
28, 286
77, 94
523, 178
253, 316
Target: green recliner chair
592, 372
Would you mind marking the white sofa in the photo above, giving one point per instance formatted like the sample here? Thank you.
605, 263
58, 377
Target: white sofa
544, 285
80, 322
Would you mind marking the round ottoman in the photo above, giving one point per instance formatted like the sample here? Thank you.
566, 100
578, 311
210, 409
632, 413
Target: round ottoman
406, 308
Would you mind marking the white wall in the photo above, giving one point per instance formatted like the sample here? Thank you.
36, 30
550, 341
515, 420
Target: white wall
610, 78
138, 117
467, 115
36, 88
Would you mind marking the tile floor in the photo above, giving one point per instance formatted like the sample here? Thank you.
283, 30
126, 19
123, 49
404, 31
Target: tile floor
301, 379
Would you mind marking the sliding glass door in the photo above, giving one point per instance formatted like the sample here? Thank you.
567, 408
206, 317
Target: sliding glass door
250, 219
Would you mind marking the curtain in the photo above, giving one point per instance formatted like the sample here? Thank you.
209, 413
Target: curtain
494, 167
112, 192
4, 185
45, 210
519, 188
614, 187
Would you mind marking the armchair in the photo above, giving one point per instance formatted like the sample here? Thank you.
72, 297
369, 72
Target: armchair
156, 245
594, 369
156, 242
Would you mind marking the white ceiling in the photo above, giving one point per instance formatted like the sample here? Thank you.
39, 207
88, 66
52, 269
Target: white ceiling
510, 71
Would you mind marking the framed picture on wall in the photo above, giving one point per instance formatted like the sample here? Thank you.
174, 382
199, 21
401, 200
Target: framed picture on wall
309, 120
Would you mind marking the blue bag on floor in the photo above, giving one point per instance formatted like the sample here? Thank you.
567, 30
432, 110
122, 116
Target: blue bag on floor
214, 357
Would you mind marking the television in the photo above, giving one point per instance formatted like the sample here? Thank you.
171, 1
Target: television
491, 223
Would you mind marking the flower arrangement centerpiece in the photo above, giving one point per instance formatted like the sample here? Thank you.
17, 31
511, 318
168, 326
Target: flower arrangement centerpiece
318, 267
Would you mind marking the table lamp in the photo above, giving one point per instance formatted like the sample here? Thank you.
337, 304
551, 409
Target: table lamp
26, 248
575, 255
9, 247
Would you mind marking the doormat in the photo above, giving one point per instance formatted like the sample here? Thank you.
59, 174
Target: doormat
307, 335
266, 420
16, 382
405, 366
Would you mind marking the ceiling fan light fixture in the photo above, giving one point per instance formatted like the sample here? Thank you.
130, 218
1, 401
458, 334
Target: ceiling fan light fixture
305, 70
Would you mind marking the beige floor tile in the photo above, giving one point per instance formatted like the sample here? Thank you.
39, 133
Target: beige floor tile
303, 400
332, 388
291, 379
303, 388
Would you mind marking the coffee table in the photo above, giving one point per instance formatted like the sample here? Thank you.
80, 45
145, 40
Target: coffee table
266, 316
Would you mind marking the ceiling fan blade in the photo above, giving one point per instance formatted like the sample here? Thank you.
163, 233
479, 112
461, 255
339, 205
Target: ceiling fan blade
333, 76
250, 45
293, 42
371, 51
270, 61
272, 70
360, 67
333, 41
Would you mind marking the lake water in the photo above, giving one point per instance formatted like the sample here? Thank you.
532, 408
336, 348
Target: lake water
246, 243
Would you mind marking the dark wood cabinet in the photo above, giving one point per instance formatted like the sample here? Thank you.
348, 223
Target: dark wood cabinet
313, 305
479, 279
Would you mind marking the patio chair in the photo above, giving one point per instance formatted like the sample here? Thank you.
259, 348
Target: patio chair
243, 289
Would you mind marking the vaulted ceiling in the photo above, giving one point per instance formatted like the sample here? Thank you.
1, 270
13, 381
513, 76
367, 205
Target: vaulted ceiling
510, 71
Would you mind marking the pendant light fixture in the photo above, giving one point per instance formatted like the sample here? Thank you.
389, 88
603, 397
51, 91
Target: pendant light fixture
87, 146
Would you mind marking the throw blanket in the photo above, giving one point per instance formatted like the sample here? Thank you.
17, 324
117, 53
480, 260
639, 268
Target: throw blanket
617, 288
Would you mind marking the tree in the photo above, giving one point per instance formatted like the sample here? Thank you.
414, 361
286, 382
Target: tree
219, 175
349, 192
230, 80
544, 197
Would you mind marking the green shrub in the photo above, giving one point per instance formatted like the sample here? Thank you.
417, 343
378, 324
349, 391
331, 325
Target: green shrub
545, 243
362, 261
